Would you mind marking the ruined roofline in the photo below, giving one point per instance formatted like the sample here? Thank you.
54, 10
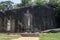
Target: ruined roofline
47, 6
2, 13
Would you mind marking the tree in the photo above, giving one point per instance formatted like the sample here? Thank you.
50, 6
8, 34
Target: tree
1, 7
40, 1
6, 5
53, 1
56, 4
25, 2
16, 6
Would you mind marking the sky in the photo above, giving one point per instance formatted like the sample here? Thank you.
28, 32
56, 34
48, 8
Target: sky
15, 1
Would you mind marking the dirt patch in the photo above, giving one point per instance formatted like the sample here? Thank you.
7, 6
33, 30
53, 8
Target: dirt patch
27, 38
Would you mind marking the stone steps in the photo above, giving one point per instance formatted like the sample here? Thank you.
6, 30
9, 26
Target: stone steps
30, 34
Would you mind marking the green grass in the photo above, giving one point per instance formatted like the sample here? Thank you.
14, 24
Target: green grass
8, 37
50, 36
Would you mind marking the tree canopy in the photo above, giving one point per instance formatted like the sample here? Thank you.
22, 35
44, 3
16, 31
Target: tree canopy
6, 5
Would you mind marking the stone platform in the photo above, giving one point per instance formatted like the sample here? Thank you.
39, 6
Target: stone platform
30, 34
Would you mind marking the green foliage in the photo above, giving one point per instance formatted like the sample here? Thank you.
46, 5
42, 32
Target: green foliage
40, 1
58, 8
25, 2
56, 4
16, 6
29, 2
6, 5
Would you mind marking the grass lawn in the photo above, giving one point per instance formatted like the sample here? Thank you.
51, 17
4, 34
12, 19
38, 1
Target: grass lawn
8, 37
50, 36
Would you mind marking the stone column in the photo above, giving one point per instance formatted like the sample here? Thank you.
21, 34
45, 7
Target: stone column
8, 25
12, 25
5, 23
0, 24
0, 21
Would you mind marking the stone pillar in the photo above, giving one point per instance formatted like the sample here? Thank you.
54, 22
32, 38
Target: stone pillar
0, 21
0, 24
12, 25
5, 23
20, 27
8, 25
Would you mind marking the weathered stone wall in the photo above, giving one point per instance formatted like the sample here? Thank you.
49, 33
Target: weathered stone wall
31, 19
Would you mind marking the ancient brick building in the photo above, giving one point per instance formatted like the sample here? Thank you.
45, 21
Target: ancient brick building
28, 19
